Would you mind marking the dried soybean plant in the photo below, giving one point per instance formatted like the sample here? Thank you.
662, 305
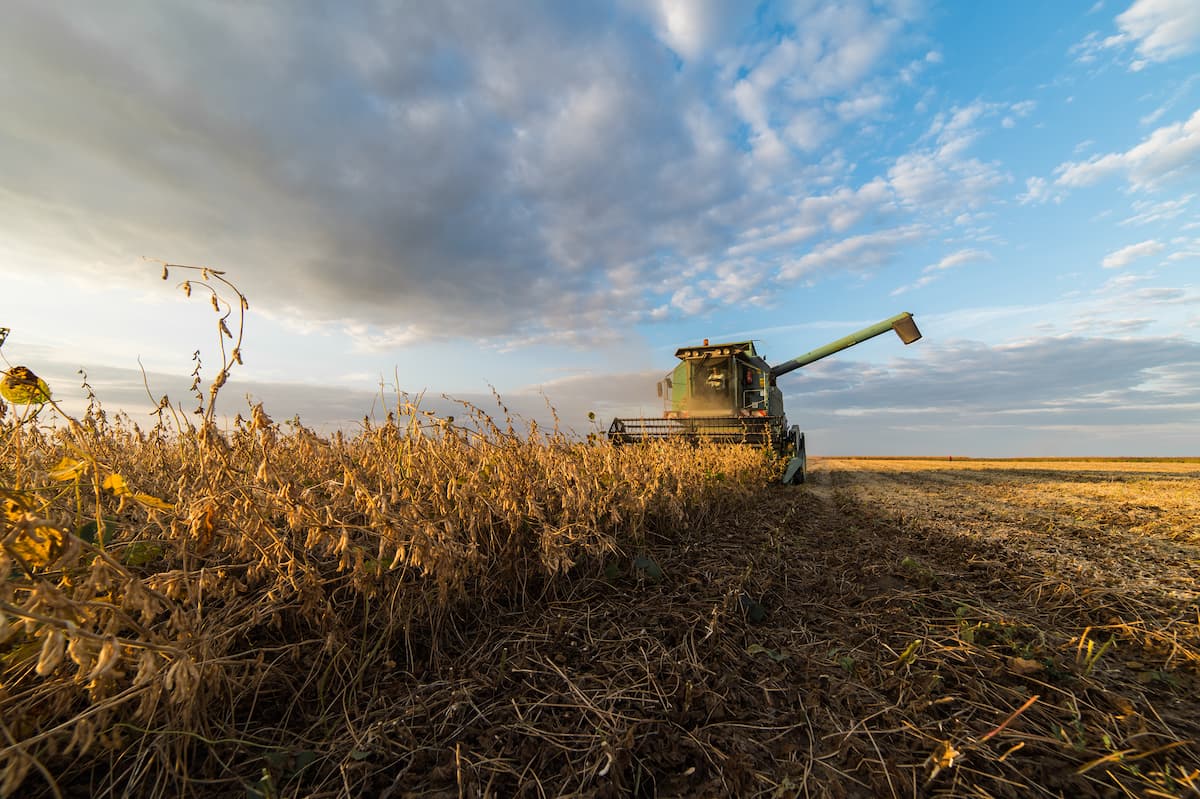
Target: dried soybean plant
178, 603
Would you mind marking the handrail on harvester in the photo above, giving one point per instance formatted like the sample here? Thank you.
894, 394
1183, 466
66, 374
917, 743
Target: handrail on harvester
903, 324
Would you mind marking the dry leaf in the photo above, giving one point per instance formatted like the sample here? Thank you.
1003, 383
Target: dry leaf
944, 755
153, 502
1025, 665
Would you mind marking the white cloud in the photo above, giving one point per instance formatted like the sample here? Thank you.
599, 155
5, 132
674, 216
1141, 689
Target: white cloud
1148, 211
1088, 50
1189, 249
808, 129
934, 179
796, 90
1036, 190
805, 218
1161, 29
1179, 93
1017, 111
690, 27
1153, 116
786, 237
1170, 152
469, 171
1164, 295
1088, 172
958, 259
736, 284
1023, 108
1127, 255
861, 106
934, 271
688, 301
779, 88
857, 253
941, 177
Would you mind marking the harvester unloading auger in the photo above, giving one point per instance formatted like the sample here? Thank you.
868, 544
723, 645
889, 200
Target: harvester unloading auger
727, 393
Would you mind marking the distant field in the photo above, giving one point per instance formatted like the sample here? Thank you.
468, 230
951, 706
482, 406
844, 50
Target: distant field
422, 611
954, 458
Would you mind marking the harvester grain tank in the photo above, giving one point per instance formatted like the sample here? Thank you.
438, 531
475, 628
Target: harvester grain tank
728, 393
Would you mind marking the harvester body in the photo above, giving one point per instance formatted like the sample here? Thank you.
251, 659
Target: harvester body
728, 393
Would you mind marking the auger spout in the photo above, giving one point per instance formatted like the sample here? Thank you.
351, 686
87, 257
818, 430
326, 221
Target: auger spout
903, 324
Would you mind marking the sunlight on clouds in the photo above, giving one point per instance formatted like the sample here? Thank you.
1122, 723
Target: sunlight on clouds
369, 338
477, 171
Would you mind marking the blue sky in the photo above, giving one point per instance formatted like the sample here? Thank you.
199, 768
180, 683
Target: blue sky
549, 198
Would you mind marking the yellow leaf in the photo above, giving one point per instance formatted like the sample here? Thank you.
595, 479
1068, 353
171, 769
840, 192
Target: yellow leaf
21, 386
153, 502
39, 547
116, 484
909, 654
68, 469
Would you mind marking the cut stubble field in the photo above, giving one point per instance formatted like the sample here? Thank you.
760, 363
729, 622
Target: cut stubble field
893, 628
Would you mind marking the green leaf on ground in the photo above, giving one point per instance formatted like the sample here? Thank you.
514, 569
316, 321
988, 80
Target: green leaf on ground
648, 567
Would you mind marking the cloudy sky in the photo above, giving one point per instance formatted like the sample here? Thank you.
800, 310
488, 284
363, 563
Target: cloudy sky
548, 198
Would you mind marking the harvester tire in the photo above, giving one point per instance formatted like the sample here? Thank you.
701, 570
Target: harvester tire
797, 465
802, 455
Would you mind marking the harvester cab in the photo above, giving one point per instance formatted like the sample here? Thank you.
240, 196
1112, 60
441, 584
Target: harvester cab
728, 393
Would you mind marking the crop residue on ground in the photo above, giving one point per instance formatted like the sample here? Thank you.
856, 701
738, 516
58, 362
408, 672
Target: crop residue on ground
325, 620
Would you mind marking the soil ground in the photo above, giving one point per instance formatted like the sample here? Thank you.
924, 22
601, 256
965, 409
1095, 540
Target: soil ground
892, 628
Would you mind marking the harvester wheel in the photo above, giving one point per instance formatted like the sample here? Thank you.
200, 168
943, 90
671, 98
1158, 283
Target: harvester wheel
794, 474
803, 456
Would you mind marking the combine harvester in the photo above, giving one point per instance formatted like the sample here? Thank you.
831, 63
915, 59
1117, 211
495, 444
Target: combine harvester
727, 393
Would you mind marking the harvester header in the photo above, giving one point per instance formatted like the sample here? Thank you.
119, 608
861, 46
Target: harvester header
727, 392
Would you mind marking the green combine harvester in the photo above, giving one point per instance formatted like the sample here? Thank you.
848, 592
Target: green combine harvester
728, 393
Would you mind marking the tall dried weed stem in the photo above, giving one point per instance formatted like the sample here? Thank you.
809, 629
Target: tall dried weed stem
169, 593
